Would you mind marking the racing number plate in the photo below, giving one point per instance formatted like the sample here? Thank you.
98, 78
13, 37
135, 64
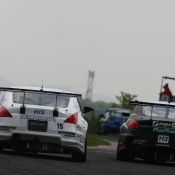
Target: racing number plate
60, 126
163, 139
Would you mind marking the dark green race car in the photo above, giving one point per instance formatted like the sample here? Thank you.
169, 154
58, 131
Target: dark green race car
149, 133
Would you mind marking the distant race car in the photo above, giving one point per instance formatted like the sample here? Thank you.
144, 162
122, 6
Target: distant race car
149, 133
43, 120
112, 119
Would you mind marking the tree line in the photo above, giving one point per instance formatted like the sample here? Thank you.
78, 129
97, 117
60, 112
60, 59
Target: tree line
123, 101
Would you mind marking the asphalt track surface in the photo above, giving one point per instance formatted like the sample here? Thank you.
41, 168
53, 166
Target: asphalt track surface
99, 161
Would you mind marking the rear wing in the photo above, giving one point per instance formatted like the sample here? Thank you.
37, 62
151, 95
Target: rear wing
170, 78
140, 112
26, 90
13, 89
142, 103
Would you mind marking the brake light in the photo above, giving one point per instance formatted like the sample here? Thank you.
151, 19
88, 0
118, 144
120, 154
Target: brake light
133, 124
4, 112
72, 119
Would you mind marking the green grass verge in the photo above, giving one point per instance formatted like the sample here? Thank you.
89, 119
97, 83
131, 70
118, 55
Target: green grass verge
95, 141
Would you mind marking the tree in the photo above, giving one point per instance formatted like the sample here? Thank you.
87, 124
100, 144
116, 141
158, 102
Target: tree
125, 99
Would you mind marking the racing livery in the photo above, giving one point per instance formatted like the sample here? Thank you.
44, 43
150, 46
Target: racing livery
43, 120
149, 133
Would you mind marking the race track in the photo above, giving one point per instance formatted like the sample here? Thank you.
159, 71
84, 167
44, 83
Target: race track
99, 161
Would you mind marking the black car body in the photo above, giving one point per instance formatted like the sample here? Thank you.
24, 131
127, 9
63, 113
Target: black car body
149, 133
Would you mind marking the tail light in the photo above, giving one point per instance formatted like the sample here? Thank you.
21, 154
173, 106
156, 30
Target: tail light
133, 124
4, 112
72, 119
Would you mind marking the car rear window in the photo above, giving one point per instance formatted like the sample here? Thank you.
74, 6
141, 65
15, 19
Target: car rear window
119, 114
42, 99
155, 111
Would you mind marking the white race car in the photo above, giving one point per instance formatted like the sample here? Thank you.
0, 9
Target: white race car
43, 120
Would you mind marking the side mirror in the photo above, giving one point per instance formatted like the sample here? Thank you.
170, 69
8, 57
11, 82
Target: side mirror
87, 109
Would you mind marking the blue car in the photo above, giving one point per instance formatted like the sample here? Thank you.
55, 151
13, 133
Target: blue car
112, 119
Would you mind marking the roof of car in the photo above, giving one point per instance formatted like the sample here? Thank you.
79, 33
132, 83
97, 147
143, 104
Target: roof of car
39, 89
119, 109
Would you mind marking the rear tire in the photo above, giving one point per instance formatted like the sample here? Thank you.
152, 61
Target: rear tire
124, 154
80, 157
149, 156
1, 148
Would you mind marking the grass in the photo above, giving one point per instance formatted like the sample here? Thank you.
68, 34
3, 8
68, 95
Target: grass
95, 141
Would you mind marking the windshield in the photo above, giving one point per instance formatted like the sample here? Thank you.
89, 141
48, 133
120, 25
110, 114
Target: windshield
42, 99
119, 114
155, 111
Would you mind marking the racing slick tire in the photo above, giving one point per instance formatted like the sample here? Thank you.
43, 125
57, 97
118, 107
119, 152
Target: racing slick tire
1, 148
124, 154
149, 156
80, 157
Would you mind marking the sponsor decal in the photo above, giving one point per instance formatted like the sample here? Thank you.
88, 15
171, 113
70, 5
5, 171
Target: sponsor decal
155, 123
163, 127
164, 130
39, 111
162, 124
139, 141
173, 125
36, 117
162, 145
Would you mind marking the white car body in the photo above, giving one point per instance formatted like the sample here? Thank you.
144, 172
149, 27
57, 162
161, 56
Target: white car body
32, 126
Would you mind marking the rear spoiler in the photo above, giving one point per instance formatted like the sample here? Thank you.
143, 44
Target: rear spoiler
11, 89
141, 103
22, 108
170, 78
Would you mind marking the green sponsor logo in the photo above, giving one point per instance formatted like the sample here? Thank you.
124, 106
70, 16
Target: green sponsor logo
164, 130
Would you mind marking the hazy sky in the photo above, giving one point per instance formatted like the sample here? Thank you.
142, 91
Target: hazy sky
129, 43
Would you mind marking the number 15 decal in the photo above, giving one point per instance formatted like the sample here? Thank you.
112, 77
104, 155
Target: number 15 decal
60, 126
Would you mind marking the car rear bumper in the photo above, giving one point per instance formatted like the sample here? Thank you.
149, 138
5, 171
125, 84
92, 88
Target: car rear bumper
145, 148
140, 143
43, 142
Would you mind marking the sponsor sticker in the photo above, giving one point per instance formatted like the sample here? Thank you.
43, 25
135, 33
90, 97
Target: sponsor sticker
162, 124
36, 117
163, 127
173, 125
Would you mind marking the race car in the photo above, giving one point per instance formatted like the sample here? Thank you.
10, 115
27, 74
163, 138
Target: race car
43, 120
112, 119
149, 133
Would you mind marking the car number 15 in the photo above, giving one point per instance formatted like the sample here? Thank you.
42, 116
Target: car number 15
60, 126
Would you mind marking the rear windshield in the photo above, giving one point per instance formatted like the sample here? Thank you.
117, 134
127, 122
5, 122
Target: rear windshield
155, 111
119, 114
42, 99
